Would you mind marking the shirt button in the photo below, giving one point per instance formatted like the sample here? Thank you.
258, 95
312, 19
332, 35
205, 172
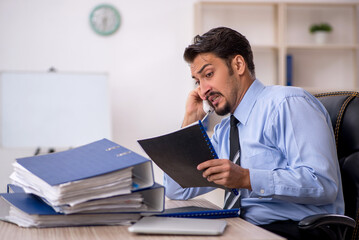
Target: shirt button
262, 191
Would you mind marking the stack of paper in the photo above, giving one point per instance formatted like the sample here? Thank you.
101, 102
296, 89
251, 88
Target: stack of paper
106, 185
83, 183
150, 200
26, 210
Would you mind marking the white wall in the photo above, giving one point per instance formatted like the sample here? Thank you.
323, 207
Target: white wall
148, 78
149, 81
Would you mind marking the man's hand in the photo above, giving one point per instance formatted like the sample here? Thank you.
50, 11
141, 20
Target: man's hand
225, 172
194, 108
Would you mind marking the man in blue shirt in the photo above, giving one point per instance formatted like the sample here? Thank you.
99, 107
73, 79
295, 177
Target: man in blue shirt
288, 164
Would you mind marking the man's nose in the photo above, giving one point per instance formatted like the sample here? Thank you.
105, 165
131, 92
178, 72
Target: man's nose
205, 89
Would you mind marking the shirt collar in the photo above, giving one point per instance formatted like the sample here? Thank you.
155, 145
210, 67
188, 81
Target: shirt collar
250, 97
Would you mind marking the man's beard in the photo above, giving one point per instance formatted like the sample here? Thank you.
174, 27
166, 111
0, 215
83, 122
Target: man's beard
223, 111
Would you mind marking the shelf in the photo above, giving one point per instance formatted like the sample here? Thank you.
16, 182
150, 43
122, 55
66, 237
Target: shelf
237, 16
323, 47
299, 18
276, 29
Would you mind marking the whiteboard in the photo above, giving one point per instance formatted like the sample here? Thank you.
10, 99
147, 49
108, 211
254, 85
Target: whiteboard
53, 109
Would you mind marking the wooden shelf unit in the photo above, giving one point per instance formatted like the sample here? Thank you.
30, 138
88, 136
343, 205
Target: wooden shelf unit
276, 29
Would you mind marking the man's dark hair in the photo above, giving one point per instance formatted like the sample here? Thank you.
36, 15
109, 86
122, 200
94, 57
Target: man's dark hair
223, 42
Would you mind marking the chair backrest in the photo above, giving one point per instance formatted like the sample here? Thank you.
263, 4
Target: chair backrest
343, 108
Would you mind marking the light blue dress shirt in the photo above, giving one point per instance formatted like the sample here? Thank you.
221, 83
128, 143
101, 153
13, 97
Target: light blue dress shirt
287, 143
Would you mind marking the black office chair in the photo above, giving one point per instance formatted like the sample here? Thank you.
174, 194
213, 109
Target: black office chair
343, 108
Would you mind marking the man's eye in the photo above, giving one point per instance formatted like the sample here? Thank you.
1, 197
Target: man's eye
208, 75
196, 83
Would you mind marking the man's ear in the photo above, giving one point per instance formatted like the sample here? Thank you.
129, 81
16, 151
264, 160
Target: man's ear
239, 65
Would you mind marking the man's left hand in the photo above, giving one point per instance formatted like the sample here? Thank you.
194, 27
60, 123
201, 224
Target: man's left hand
226, 173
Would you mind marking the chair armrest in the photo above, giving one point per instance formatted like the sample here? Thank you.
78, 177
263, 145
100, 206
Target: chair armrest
318, 220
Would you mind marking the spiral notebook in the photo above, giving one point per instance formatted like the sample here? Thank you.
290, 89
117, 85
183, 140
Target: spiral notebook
178, 154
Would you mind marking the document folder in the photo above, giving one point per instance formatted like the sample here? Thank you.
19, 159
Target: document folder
99, 169
27, 210
145, 201
199, 212
178, 154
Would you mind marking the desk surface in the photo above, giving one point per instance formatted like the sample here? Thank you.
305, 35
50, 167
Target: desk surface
236, 229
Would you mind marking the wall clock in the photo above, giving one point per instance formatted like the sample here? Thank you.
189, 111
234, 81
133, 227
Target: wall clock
105, 19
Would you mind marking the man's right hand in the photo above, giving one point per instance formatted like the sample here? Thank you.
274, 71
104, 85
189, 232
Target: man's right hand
194, 107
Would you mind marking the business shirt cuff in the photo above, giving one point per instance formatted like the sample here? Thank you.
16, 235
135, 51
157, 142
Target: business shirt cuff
262, 182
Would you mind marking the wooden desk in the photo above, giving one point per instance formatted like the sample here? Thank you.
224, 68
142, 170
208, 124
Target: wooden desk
236, 229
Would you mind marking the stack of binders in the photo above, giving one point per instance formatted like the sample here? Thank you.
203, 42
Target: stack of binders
101, 183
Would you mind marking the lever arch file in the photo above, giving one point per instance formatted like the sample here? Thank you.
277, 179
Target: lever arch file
178, 154
96, 170
27, 210
145, 201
